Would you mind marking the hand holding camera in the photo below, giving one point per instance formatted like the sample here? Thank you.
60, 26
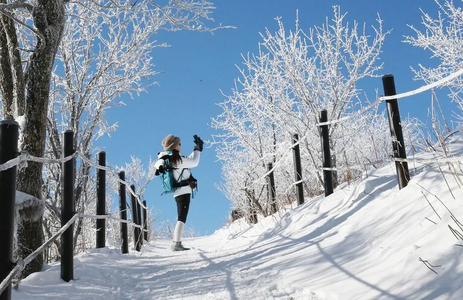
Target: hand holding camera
199, 143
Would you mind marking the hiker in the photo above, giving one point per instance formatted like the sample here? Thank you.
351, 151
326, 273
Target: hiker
181, 166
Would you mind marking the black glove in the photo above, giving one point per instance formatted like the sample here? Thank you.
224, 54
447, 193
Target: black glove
199, 143
159, 171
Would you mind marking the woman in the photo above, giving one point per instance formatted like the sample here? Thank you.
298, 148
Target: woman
183, 177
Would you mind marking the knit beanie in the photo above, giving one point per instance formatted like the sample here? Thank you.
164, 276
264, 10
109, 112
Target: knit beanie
170, 142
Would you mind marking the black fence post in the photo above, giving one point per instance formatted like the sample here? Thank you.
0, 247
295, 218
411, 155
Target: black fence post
271, 189
298, 170
252, 212
398, 145
139, 223
67, 208
123, 213
327, 174
145, 221
101, 202
9, 133
136, 230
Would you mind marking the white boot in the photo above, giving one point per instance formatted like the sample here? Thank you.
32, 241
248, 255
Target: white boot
177, 246
178, 231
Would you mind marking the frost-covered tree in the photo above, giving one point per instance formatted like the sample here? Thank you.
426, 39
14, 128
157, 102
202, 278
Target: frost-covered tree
25, 84
442, 36
281, 91
139, 176
88, 80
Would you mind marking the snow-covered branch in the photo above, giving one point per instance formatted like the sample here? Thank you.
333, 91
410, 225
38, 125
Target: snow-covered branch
281, 91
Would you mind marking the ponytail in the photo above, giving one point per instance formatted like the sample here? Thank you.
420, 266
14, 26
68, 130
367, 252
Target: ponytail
175, 159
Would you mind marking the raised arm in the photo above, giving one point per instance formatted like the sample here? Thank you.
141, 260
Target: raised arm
190, 161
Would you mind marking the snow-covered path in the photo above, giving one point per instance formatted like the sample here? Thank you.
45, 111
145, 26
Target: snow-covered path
366, 241
204, 272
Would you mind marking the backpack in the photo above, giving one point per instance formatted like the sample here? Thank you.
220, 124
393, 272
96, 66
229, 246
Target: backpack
165, 171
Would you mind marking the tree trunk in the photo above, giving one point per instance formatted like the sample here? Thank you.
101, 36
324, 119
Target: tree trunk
49, 20
6, 78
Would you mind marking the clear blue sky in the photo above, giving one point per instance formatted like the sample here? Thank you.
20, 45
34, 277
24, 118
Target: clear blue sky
198, 65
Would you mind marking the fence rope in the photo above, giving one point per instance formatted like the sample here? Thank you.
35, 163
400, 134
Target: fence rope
25, 157
293, 184
110, 217
21, 264
380, 99
429, 160
362, 166
398, 96
108, 169
396, 159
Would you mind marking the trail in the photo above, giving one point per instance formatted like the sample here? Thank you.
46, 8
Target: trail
368, 240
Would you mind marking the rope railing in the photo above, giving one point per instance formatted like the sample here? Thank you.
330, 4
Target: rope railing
110, 217
108, 169
22, 159
20, 265
25, 157
384, 160
350, 116
398, 96
293, 184
429, 160
396, 159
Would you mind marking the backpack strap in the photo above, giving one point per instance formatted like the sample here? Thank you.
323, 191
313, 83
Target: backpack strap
181, 183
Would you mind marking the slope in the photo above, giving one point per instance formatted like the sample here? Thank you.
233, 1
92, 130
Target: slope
366, 241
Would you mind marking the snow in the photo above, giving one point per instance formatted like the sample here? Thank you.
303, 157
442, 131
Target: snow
24, 201
368, 240
22, 124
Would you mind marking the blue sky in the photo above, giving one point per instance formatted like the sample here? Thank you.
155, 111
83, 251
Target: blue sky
198, 66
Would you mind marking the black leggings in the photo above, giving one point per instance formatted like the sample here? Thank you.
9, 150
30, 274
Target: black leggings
183, 204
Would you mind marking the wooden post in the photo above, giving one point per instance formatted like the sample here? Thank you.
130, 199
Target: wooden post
139, 223
271, 189
145, 221
123, 214
298, 170
67, 208
136, 230
9, 133
398, 145
101, 202
327, 174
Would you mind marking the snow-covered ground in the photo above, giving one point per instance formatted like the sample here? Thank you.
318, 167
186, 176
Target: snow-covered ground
366, 241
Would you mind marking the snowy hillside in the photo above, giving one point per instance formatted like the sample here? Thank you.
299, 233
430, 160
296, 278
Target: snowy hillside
366, 241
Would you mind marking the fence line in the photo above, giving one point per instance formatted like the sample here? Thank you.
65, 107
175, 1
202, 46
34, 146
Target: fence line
396, 159
25, 157
90, 162
380, 99
388, 159
21, 264
429, 160
398, 96
293, 184
110, 217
